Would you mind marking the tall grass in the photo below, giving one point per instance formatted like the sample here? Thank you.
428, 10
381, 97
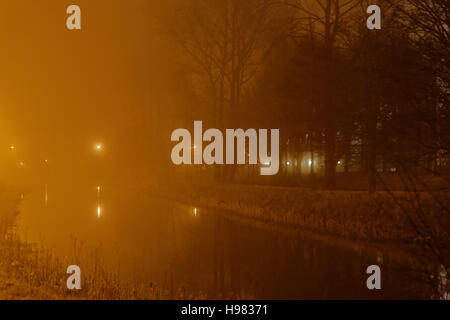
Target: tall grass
350, 214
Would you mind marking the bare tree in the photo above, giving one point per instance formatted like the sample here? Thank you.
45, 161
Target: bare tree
226, 42
326, 21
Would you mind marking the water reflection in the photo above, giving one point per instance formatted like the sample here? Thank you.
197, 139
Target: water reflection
46, 195
154, 241
98, 202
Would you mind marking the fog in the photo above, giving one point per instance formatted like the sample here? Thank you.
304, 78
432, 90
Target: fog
359, 144
64, 92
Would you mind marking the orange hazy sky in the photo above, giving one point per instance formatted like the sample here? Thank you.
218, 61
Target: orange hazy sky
60, 87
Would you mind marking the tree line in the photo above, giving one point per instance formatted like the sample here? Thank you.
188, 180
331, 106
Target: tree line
344, 97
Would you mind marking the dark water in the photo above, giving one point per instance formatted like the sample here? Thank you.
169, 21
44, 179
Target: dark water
201, 252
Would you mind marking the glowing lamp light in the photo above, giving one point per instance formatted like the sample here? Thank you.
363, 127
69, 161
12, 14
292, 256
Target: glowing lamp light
98, 147
309, 162
98, 211
288, 163
12, 148
195, 211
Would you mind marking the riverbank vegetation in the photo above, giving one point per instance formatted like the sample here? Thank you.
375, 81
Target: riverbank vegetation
355, 215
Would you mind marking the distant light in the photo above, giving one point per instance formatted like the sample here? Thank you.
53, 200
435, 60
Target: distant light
98, 211
310, 162
288, 163
46, 161
98, 188
267, 163
98, 147
379, 257
22, 164
339, 162
12, 148
195, 211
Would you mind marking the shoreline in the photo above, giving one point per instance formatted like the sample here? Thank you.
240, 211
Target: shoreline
376, 221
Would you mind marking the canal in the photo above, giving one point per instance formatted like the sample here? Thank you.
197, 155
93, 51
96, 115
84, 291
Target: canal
184, 248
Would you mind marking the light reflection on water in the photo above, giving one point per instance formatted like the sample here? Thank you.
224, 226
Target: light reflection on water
154, 241
98, 202
46, 195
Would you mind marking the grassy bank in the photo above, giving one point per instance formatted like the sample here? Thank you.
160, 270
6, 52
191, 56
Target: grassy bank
30, 273
352, 215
